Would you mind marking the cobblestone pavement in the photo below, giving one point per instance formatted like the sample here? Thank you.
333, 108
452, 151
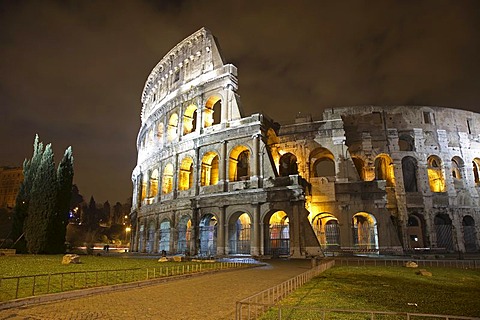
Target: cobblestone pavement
211, 296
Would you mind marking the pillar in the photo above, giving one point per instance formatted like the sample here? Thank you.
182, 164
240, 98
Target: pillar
221, 232
255, 251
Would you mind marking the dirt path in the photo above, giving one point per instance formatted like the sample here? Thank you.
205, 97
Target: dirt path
211, 296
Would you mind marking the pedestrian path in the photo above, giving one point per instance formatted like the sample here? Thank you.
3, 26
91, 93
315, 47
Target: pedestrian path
211, 296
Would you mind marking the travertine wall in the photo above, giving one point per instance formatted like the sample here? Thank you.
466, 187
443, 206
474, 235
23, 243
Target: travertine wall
210, 181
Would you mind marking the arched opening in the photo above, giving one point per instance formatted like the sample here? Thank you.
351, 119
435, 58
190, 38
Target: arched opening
153, 184
150, 137
406, 142
384, 169
277, 241
164, 237
184, 235
150, 237
141, 238
469, 234
212, 112
409, 170
172, 127
185, 179
167, 183
457, 165
143, 186
415, 233
190, 119
208, 235
435, 174
443, 230
359, 165
365, 234
322, 163
209, 170
239, 164
160, 132
327, 230
476, 166
288, 165
239, 234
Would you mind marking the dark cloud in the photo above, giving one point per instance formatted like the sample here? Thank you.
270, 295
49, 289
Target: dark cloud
73, 71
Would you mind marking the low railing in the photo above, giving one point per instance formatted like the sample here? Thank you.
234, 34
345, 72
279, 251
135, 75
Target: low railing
26, 286
464, 264
254, 306
288, 312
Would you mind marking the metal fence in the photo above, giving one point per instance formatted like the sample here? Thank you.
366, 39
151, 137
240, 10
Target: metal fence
464, 264
256, 305
26, 286
284, 312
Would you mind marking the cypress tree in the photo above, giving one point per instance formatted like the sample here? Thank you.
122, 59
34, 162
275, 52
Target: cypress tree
42, 204
58, 223
22, 201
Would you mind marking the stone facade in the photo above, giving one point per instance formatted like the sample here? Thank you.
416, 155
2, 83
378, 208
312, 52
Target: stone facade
212, 182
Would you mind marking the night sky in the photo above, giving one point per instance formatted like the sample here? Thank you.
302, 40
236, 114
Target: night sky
73, 71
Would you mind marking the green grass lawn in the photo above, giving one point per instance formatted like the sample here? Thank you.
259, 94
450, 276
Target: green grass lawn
52, 276
448, 291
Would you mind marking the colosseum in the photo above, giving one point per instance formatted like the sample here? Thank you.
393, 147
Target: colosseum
210, 181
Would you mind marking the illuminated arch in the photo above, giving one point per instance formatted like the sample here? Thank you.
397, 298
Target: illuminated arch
322, 163
164, 236
365, 234
167, 183
476, 170
184, 235
435, 174
189, 119
209, 170
327, 230
384, 169
153, 183
208, 235
409, 170
239, 164
277, 240
185, 177
150, 237
239, 233
288, 165
212, 111
172, 127
143, 187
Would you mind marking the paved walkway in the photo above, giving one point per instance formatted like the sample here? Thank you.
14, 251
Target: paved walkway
211, 296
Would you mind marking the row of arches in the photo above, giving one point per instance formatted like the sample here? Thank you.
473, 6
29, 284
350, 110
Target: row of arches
444, 232
178, 239
183, 122
238, 169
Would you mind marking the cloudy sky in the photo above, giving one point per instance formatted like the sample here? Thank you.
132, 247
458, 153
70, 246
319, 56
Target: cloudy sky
73, 71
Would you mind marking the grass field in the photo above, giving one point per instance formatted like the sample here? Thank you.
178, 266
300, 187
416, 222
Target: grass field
30, 275
448, 291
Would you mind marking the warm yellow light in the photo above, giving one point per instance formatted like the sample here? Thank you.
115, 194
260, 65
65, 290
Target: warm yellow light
128, 229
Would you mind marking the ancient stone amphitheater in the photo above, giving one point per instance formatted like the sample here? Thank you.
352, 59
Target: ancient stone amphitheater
210, 181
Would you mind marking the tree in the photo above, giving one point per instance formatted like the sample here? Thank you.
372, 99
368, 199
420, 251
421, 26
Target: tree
42, 206
23, 198
58, 224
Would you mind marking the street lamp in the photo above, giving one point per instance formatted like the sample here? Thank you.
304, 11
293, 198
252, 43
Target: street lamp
127, 230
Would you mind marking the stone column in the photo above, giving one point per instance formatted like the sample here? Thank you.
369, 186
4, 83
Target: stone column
156, 236
222, 166
221, 232
255, 251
